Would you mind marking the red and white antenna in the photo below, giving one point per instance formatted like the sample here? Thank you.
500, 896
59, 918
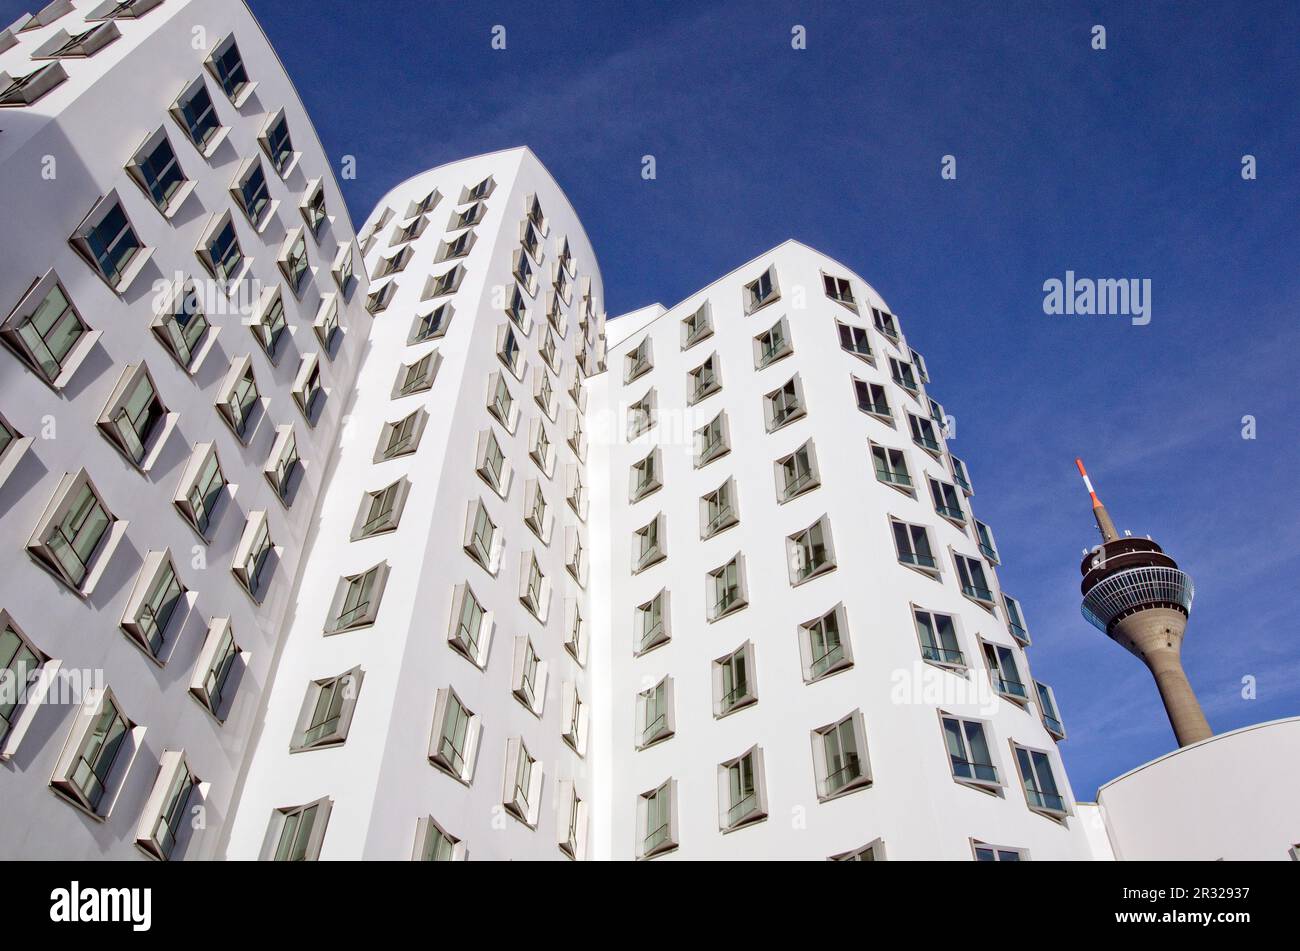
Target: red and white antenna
1104, 524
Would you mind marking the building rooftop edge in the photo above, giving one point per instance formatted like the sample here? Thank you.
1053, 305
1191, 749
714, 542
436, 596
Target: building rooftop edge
1183, 749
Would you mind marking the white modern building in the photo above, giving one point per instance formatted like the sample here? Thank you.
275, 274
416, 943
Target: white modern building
392, 547
810, 653
433, 697
182, 328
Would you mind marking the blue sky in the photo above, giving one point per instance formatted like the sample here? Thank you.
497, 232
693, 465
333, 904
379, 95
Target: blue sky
1121, 163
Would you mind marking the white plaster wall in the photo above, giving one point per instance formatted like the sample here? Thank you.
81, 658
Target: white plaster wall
1230, 797
91, 126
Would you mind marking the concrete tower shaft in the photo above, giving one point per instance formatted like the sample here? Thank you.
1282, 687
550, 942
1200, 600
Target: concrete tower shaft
1136, 594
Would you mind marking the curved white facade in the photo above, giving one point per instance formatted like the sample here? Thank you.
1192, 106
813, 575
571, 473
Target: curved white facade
380, 779
912, 806
72, 153
1231, 797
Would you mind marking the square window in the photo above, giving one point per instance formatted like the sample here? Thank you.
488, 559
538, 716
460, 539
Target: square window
201, 489
1038, 780
534, 587
657, 821
1047, 709
313, 208
811, 552
162, 827
537, 514
997, 853
252, 195
215, 679
377, 301
1015, 620
227, 66
283, 465
904, 376
108, 242
742, 794
970, 573
704, 380
572, 822
641, 415
655, 714
872, 401
529, 678
734, 680
278, 145
239, 402
455, 736
327, 711
269, 323
840, 757
891, 467
697, 326
381, 510
646, 476
639, 361
252, 556
912, 543
649, 544
21, 664
47, 333
938, 636
96, 756
195, 114
824, 645
969, 753
77, 533
27, 89
785, 404
838, 290
156, 606
650, 623
471, 626
297, 832
433, 843
761, 291
157, 170
797, 473
719, 510
712, 441
854, 340
886, 324
356, 601
134, 419
418, 376
988, 547
402, 437
482, 541
1004, 672
219, 250
523, 783
431, 325
772, 344
573, 719
293, 261
947, 502
726, 590
182, 327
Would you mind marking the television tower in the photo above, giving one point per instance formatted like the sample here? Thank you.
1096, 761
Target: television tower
1135, 593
